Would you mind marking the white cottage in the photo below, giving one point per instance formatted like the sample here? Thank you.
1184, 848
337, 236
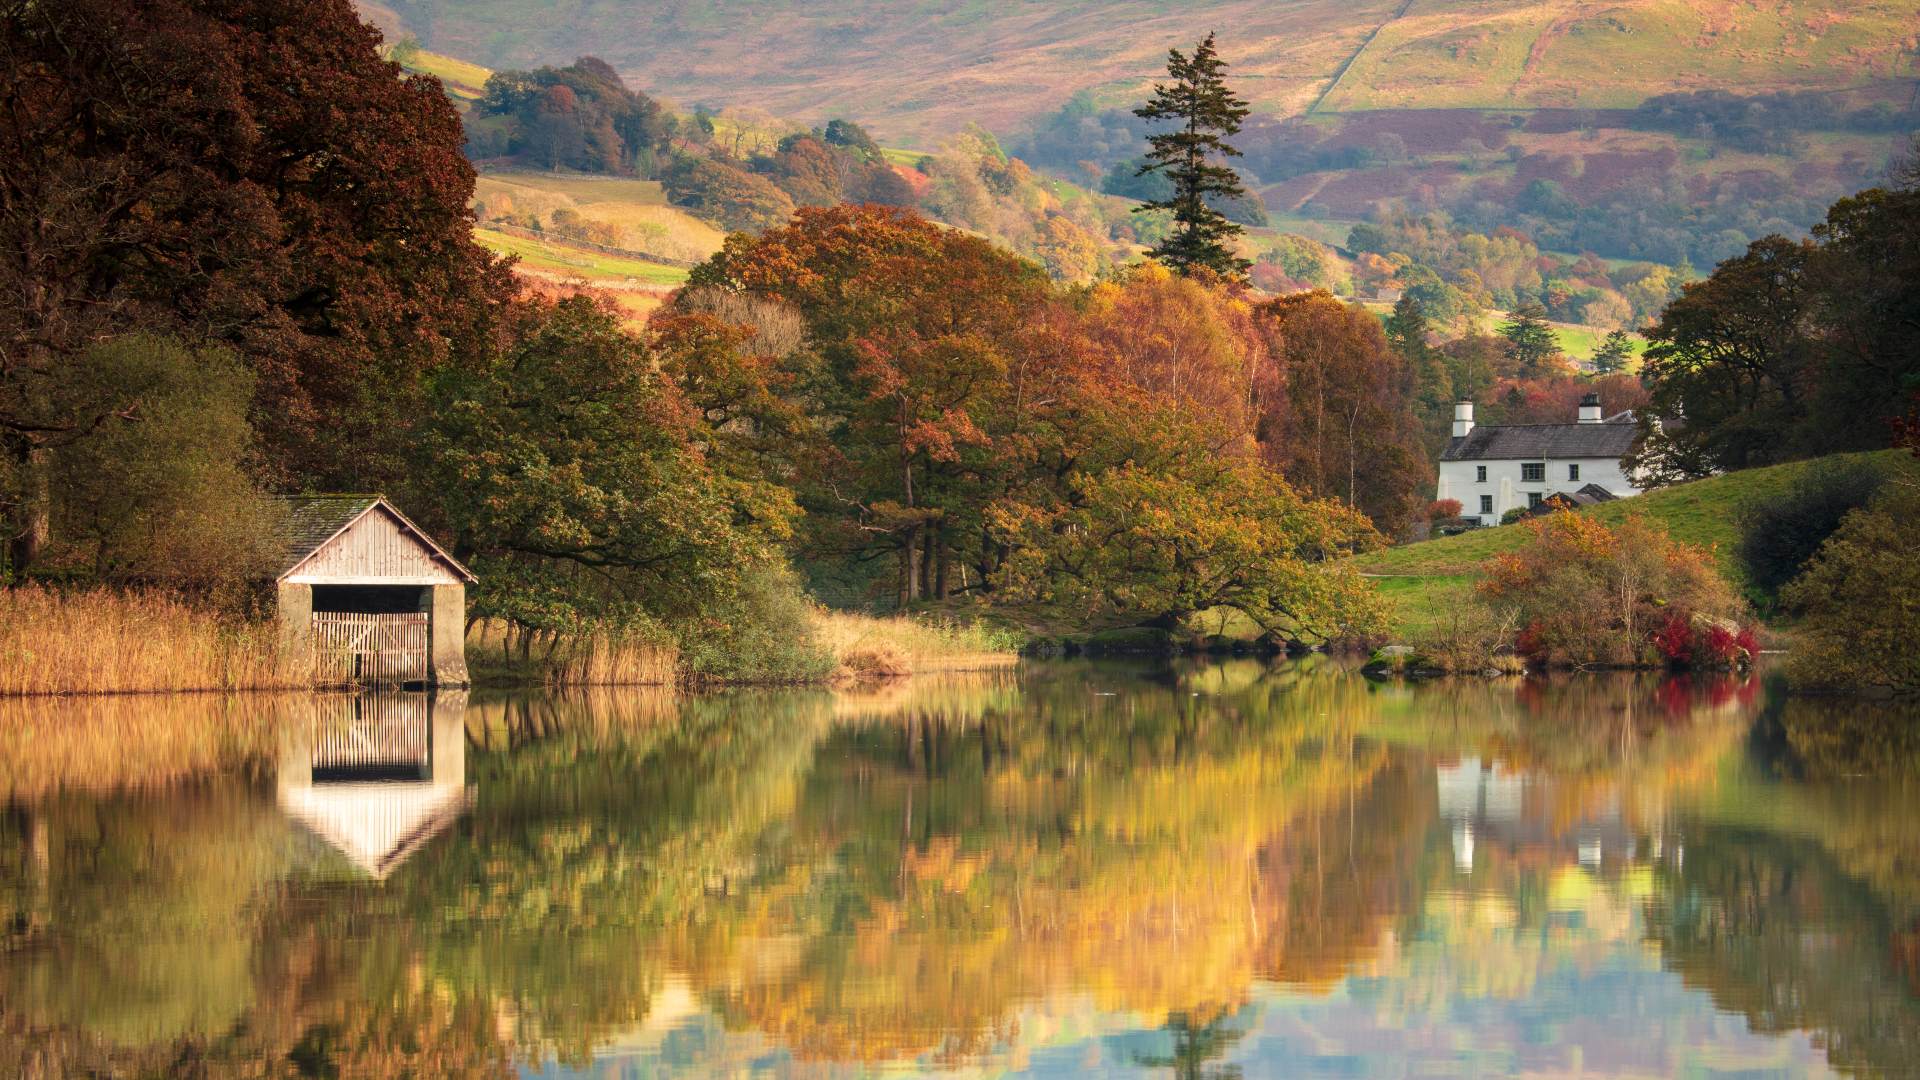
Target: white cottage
1492, 469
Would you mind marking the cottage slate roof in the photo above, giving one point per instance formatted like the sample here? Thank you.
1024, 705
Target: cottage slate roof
1612, 438
312, 520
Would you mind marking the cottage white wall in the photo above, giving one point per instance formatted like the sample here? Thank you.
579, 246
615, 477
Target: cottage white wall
1457, 481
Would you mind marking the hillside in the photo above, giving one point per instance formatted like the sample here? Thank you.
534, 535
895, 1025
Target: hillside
917, 72
1428, 579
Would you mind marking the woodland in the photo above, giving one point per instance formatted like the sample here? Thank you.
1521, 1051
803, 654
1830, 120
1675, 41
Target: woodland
249, 286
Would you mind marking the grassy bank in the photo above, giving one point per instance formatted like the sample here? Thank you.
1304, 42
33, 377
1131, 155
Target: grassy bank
854, 646
1431, 579
107, 642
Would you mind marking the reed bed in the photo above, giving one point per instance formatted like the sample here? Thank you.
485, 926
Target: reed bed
105, 641
870, 646
599, 659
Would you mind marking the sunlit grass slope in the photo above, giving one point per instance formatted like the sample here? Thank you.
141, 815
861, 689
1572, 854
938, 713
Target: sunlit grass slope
1430, 578
592, 266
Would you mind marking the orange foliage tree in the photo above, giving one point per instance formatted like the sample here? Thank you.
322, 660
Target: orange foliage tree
1344, 427
1582, 593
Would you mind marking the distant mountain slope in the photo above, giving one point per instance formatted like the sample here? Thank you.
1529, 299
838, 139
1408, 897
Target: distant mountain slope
916, 70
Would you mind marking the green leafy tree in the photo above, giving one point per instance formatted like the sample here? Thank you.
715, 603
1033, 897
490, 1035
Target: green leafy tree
1206, 113
1139, 546
1530, 341
160, 492
1859, 600
852, 136
569, 473
1613, 354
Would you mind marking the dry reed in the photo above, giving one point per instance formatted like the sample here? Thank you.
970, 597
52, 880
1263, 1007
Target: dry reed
103, 641
598, 659
868, 646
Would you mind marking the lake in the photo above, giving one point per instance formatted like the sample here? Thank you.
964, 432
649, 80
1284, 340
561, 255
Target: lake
1078, 868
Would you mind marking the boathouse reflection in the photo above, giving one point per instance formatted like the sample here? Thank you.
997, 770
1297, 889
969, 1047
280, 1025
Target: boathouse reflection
377, 775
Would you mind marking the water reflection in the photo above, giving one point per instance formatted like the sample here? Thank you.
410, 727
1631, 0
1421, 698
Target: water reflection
1212, 870
377, 775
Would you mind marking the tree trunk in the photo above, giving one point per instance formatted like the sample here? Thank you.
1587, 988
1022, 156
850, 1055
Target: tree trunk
910, 566
941, 583
32, 523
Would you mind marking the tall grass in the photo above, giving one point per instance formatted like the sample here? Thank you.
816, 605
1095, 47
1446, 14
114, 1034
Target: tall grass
866, 646
495, 655
104, 641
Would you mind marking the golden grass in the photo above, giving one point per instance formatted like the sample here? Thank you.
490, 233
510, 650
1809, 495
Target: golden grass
598, 659
869, 646
102, 641
594, 267
635, 210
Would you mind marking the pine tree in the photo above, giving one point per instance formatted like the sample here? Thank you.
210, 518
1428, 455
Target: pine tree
1206, 112
1530, 341
1613, 354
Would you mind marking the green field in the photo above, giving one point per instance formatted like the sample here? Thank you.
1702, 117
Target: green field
462, 79
589, 265
897, 155
1431, 578
1581, 342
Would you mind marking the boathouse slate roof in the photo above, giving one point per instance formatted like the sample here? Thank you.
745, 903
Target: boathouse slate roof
1612, 438
312, 520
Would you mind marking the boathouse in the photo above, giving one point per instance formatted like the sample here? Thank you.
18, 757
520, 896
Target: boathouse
370, 594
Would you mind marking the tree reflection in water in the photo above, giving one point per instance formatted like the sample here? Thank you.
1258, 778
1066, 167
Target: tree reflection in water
1079, 867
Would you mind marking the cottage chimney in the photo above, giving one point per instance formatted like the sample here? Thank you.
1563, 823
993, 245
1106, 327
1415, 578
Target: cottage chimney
1462, 419
1589, 409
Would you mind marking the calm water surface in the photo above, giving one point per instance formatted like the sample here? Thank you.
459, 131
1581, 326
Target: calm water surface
1196, 871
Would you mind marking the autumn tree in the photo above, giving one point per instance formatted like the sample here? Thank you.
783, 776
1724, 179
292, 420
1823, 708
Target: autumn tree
253, 175
1204, 113
916, 330
1584, 593
1345, 428
1426, 367
163, 495
1794, 348
1139, 546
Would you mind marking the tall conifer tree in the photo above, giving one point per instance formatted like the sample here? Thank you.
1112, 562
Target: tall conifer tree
1206, 112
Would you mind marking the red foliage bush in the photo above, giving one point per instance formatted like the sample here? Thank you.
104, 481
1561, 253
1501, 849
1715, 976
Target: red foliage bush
1718, 645
1442, 509
1674, 638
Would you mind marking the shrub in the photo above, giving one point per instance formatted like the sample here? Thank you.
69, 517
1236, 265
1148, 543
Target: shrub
1860, 601
1513, 514
1582, 593
1443, 509
1779, 535
764, 634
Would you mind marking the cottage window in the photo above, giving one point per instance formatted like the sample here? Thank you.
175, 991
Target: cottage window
1486, 502
1480, 474
1573, 472
1533, 499
1533, 472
